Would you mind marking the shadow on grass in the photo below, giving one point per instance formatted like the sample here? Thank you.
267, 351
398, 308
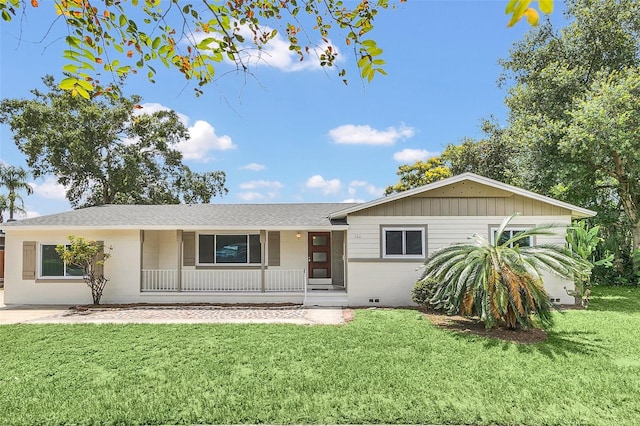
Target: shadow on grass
555, 344
615, 299
564, 343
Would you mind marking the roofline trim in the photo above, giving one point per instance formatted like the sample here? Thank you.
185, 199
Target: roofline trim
178, 227
575, 210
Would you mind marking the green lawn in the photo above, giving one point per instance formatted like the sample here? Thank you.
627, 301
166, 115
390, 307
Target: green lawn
386, 366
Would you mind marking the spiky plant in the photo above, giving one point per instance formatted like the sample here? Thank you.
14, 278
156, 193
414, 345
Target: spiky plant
499, 282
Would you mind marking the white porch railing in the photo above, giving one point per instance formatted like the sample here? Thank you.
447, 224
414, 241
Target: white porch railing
223, 280
160, 280
285, 280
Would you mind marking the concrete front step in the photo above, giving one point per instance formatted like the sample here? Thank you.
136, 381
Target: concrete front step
326, 298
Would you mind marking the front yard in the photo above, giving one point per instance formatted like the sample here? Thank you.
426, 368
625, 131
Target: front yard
386, 366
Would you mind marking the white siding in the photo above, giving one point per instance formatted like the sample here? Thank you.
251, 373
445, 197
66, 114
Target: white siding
393, 281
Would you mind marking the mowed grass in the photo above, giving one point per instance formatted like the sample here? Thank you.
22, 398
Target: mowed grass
386, 366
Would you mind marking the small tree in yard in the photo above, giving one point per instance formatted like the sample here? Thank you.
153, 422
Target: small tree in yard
583, 242
500, 282
90, 256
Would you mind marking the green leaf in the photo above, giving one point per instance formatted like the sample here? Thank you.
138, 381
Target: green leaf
70, 68
546, 6
204, 44
84, 84
124, 70
73, 41
89, 55
510, 6
68, 83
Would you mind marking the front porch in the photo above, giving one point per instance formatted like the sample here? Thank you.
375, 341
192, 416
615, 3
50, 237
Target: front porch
278, 286
267, 267
224, 280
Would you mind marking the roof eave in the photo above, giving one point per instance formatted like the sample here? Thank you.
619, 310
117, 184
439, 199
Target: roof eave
576, 212
312, 228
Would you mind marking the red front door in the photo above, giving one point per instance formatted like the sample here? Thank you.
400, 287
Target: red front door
319, 254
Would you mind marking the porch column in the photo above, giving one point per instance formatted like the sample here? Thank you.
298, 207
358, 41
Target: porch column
179, 244
263, 273
141, 275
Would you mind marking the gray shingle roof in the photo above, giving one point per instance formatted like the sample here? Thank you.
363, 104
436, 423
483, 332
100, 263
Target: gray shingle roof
203, 216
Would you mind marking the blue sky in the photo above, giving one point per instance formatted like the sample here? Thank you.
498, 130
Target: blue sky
293, 133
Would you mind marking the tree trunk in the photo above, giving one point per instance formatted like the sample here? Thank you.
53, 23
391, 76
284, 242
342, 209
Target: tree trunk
635, 254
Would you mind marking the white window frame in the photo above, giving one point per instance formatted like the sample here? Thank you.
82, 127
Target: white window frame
215, 235
53, 277
511, 229
404, 230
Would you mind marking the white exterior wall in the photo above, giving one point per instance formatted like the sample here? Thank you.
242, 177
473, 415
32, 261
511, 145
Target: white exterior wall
150, 250
168, 249
293, 251
122, 269
391, 281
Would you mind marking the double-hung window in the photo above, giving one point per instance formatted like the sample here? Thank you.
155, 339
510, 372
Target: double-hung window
403, 242
239, 249
52, 266
509, 233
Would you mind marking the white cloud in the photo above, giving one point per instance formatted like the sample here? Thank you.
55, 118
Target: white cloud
327, 186
353, 200
410, 156
151, 107
250, 196
254, 167
203, 140
276, 54
202, 136
369, 188
255, 184
49, 188
352, 134
32, 213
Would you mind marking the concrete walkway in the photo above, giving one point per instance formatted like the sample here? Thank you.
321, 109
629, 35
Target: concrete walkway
47, 314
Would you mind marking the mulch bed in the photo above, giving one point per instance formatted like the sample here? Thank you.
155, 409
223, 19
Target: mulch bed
474, 326
183, 305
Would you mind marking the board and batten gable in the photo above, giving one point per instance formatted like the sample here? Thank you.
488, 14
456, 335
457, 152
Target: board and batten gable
470, 199
449, 214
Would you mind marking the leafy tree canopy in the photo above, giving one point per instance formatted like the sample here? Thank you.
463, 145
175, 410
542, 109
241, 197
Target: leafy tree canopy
494, 156
118, 38
14, 179
418, 174
106, 152
573, 107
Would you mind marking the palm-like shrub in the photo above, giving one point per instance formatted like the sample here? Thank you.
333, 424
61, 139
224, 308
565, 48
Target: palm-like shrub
499, 282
